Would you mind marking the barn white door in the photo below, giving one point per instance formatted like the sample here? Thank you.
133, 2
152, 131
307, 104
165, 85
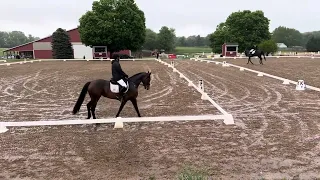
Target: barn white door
81, 50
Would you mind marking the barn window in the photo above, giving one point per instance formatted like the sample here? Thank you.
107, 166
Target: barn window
99, 49
231, 48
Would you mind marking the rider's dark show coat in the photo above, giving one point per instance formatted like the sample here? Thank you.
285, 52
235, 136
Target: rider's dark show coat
117, 72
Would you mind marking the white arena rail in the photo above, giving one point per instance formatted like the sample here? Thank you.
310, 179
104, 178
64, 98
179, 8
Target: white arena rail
244, 57
52, 60
228, 118
118, 121
285, 81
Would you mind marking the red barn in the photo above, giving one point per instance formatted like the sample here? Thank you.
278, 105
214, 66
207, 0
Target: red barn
41, 49
230, 49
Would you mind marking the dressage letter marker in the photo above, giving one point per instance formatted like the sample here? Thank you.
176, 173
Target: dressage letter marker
224, 64
201, 85
300, 85
204, 96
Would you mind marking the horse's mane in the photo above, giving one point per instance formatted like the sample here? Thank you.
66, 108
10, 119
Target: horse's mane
136, 75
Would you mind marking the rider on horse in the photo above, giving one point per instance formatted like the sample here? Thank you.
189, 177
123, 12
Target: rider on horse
118, 75
253, 50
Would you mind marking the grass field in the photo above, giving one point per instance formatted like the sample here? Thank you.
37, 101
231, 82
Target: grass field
189, 50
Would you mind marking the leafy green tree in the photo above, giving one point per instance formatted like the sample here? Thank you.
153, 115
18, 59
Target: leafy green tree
166, 39
307, 35
313, 44
117, 24
61, 45
288, 36
247, 28
219, 37
181, 41
150, 40
268, 46
243, 27
14, 38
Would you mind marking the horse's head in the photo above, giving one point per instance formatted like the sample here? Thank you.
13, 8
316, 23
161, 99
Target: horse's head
146, 80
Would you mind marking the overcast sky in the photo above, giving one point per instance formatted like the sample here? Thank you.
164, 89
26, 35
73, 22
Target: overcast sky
189, 17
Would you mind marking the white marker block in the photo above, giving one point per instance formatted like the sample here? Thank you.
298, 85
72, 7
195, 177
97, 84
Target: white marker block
241, 69
260, 74
118, 124
3, 129
204, 96
208, 62
217, 63
228, 119
190, 83
286, 81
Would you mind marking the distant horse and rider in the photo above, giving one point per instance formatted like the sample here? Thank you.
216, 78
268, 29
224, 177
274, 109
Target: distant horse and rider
254, 52
120, 87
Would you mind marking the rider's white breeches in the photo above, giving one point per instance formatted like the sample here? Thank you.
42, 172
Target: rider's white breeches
122, 83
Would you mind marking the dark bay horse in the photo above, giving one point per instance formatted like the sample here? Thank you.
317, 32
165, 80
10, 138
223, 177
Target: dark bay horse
101, 87
258, 53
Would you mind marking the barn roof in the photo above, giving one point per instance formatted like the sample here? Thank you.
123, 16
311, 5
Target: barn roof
12, 49
232, 44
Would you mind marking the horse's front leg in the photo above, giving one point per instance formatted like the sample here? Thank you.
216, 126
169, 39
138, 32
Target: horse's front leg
124, 101
250, 60
135, 105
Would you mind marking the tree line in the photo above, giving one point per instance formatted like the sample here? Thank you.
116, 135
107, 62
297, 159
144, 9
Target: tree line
292, 37
166, 39
121, 25
14, 38
251, 29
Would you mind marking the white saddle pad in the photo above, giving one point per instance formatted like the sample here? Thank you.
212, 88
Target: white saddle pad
115, 88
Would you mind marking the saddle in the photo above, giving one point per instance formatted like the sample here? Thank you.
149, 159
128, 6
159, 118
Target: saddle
115, 87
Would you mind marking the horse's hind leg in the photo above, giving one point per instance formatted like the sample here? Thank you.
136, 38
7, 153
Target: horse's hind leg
93, 109
89, 109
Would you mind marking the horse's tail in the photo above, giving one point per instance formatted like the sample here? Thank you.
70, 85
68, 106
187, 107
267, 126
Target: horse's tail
80, 100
